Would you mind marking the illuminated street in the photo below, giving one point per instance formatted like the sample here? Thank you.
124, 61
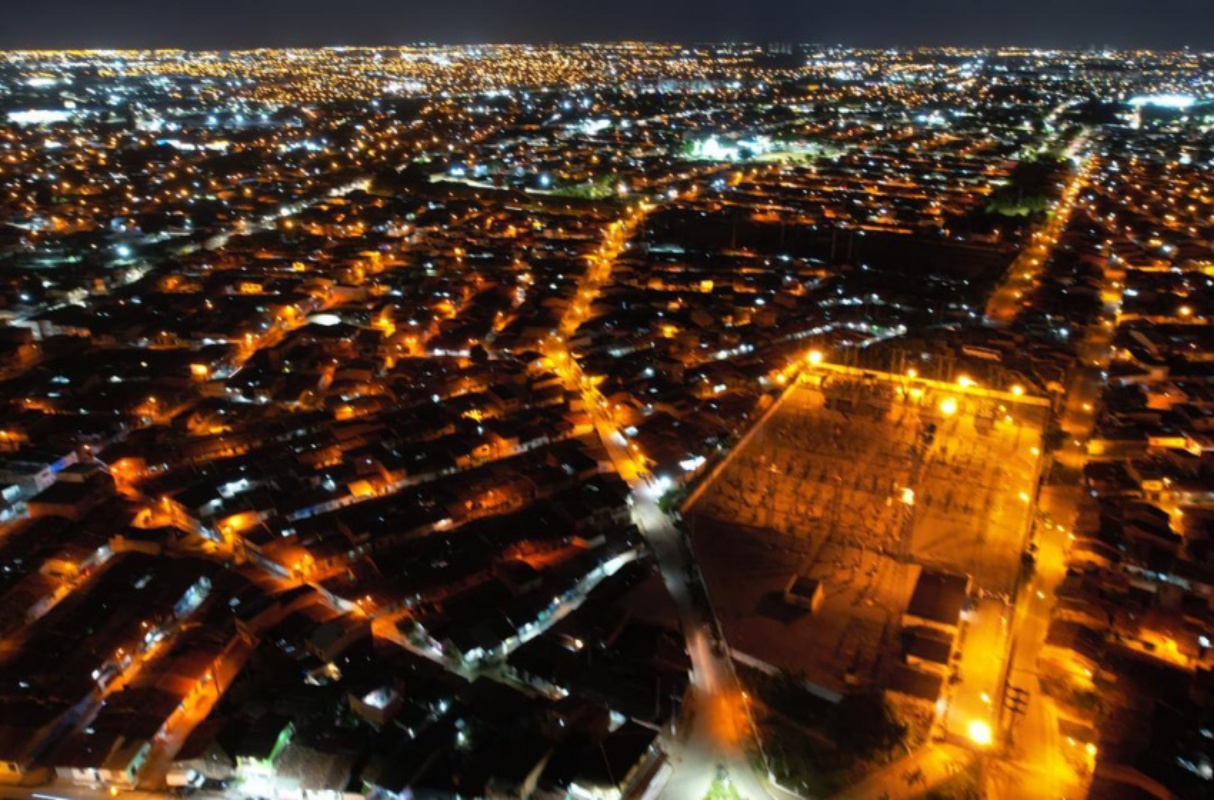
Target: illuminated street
718, 732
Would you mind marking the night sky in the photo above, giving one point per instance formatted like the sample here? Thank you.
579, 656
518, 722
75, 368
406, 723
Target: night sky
245, 23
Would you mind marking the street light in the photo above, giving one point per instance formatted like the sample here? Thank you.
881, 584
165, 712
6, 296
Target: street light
815, 357
980, 733
948, 406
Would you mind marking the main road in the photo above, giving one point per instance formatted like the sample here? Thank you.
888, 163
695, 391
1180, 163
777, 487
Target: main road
1007, 298
715, 730
1037, 763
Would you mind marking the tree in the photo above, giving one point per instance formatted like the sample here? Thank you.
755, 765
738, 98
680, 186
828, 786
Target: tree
670, 502
1055, 437
865, 724
1028, 188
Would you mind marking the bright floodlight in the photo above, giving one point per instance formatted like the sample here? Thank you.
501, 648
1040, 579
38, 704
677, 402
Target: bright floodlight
980, 733
948, 406
1177, 101
660, 486
815, 357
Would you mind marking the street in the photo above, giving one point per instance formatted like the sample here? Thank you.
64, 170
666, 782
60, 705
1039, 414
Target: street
719, 730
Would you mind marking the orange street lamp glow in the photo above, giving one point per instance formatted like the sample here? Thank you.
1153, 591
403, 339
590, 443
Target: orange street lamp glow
980, 733
815, 357
948, 406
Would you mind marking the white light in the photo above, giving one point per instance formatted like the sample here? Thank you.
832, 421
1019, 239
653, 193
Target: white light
692, 464
38, 117
660, 486
1178, 101
980, 733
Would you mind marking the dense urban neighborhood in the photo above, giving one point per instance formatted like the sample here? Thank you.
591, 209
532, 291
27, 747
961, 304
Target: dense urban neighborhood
606, 421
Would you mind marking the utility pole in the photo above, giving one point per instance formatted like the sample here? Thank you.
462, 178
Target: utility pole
835, 507
924, 437
1016, 700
